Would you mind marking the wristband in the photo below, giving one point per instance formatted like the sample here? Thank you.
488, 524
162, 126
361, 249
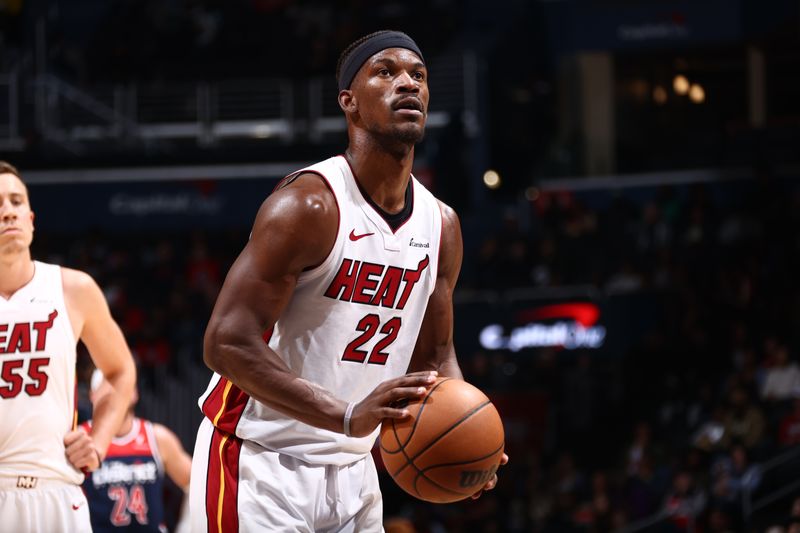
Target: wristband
348, 413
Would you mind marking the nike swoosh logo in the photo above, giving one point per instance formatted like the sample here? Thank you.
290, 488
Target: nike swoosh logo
354, 237
76, 507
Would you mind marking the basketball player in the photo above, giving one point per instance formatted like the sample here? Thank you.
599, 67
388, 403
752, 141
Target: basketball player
126, 493
350, 267
44, 310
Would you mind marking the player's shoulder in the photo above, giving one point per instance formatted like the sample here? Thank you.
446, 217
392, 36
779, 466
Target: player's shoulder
166, 439
159, 430
81, 292
304, 198
451, 244
77, 280
449, 215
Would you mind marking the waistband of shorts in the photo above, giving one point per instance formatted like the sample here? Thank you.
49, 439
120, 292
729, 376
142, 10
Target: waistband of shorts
30, 482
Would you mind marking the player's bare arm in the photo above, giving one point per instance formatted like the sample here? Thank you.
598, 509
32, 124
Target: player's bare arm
434, 349
177, 463
294, 230
93, 324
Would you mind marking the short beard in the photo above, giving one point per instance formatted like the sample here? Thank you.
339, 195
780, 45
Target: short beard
400, 141
410, 136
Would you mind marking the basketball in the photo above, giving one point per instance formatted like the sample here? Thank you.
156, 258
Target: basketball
449, 446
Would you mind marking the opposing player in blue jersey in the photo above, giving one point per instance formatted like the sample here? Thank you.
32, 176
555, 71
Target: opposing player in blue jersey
126, 493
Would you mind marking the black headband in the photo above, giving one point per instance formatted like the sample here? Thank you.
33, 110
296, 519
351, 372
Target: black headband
370, 47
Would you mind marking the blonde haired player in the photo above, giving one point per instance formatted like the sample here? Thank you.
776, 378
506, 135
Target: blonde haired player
44, 310
351, 266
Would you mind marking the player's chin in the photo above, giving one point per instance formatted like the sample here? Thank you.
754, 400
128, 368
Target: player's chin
410, 132
14, 245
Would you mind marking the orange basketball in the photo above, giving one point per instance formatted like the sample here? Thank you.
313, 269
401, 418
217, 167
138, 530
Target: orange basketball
450, 445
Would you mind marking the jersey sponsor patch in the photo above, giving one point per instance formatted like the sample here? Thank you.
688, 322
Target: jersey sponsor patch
118, 472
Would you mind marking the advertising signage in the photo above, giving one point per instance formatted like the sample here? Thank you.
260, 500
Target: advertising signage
577, 25
565, 325
130, 206
605, 325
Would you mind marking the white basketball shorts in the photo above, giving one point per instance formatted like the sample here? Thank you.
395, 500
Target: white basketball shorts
238, 485
35, 505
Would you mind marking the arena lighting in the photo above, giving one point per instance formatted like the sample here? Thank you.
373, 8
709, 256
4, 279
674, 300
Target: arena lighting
491, 179
697, 94
262, 131
680, 84
659, 95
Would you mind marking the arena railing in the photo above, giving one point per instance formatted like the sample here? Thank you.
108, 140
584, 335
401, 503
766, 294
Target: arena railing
81, 117
780, 479
10, 139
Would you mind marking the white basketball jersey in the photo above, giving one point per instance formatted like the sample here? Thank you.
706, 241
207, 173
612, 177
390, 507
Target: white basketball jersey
351, 323
37, 379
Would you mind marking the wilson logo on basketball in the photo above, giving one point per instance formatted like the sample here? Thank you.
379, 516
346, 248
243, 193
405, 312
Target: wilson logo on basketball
471, 478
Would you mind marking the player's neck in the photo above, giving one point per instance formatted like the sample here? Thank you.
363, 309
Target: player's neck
15, 272
383, 175
126, 426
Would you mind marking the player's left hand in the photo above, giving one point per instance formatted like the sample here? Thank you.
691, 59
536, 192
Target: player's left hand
81, 451
492, 482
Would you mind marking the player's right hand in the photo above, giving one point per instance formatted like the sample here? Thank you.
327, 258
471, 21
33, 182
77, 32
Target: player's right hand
382, 402
81, 451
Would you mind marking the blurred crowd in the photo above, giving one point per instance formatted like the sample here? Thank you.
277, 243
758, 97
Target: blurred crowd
682, 430
155, 41
697, 425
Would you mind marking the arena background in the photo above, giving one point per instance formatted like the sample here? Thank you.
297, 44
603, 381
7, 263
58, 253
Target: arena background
626, 173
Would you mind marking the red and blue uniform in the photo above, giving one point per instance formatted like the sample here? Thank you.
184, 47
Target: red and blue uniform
126, 493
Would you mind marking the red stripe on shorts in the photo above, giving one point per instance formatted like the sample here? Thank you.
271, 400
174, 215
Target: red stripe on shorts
222, 483
225, 405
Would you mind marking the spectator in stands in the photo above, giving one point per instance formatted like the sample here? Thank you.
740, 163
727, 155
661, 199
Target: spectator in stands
782, 379
789, 429
709, 434
794, 517
744, 421
643, 489
719, 521
734, 477
684, 502
639, 449
595, 512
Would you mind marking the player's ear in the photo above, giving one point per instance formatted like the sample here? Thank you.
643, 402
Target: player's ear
347, 101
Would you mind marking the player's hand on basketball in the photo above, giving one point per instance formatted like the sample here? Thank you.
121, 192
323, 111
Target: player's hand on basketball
382, 402
492, 482
81, 451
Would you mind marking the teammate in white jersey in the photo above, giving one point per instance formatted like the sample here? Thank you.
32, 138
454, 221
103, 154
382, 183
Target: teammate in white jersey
44, 310
350, 269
